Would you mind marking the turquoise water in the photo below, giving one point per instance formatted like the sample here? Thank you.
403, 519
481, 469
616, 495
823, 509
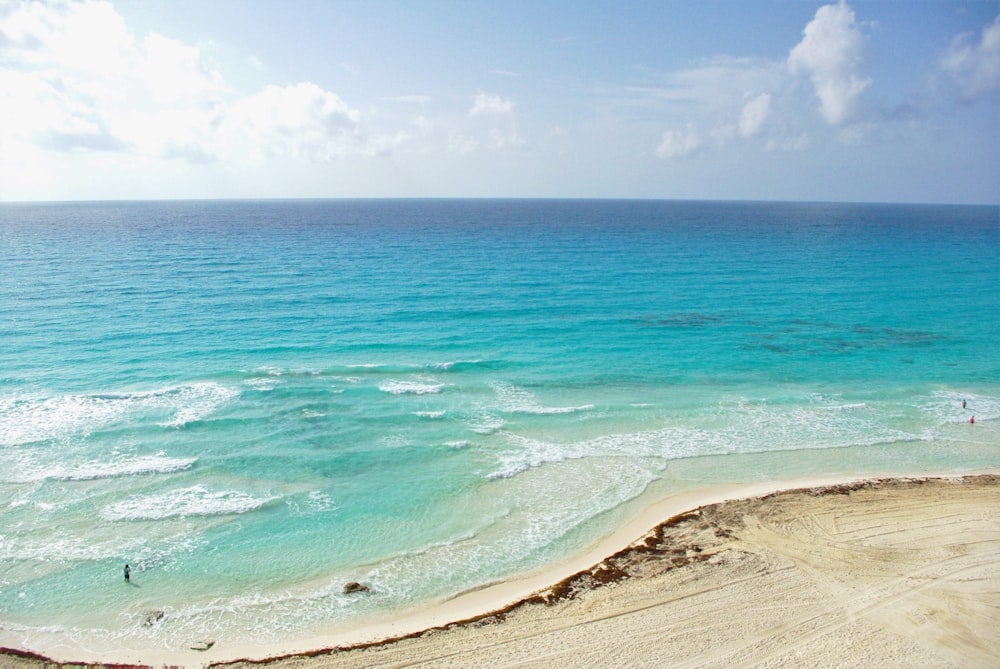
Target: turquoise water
252, 403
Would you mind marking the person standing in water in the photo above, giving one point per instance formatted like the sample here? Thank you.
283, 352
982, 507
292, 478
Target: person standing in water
128, 574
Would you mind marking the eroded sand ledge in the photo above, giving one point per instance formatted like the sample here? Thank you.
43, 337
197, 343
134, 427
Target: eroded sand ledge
893, 572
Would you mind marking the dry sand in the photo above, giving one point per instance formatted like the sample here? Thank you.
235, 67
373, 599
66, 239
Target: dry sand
891, 573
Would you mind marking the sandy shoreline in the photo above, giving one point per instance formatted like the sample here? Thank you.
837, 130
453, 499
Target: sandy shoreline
891, 572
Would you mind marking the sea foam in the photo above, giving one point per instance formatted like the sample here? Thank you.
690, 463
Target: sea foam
513, 399
31, 419
33, 467
410, 387
192, 501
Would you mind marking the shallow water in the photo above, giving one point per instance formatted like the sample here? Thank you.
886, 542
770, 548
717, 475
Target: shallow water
252, 403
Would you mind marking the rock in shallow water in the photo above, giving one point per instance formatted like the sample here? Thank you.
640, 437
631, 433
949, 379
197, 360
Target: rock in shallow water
152, 617
354, 586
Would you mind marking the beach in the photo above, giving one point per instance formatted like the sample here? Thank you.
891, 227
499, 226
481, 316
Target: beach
877, 572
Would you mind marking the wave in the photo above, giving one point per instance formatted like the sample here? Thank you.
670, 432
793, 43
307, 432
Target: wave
26, 420
521, 521
845, 407
953, 406
410, 388
29, 470
518, 400
495, 541
470, 365
314, 502
41, 506
376, 369
198, 401
76, 543
486, 423
540, 410
528, 453
751, 426
193, 501
262, 383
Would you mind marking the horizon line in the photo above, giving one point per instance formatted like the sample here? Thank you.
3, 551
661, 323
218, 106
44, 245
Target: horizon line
489, 199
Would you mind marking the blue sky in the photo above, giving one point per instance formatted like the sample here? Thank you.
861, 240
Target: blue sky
754, 99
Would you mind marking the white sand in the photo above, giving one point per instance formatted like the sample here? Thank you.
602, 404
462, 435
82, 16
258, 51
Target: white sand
893, 573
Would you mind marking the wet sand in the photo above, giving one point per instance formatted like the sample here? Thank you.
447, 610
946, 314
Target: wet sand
891, 572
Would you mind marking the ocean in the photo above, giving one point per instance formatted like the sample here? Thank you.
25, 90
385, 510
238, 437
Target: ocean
252, 403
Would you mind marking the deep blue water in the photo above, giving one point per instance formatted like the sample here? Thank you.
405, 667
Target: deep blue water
252, 402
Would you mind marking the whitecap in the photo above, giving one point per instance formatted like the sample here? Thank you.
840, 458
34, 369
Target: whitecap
518, 400
30, 470
198, 401
150, 464
30, 419
262, 383
555, 410
449, 366
193, 501
410, 388
740, 426
316, 501
511, 469
25, 420
486, 424
429, 414
845, 407
41, 506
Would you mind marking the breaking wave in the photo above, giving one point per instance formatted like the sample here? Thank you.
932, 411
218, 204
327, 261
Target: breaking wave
193, 501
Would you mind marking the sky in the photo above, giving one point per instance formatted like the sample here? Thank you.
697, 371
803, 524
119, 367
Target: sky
861, 101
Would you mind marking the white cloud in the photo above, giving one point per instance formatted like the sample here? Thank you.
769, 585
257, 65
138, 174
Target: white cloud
831, 54
492, 124
714, 84
731, 98
56, 62
716, 91
679, 143
505, 139
173, 71
80, 37
301, 120
73, 77
384, 144
461, 143
410, 99
487, 104
82, 82
789, 143
975, 67
754, 113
